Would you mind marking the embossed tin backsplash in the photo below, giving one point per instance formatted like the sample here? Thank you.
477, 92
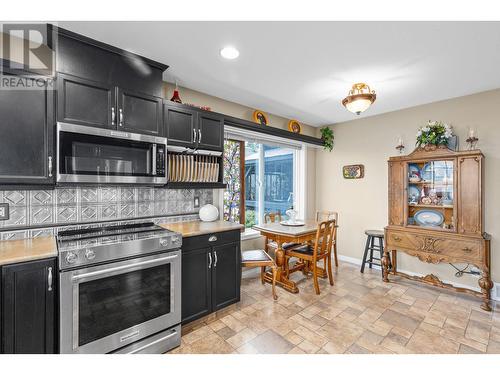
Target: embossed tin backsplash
31, 209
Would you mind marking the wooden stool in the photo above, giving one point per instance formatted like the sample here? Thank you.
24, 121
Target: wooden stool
370, 246
260, 258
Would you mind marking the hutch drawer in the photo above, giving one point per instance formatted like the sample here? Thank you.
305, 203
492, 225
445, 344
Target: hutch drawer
466, 250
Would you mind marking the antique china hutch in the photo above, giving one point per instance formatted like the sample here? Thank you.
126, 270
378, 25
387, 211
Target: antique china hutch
436, 214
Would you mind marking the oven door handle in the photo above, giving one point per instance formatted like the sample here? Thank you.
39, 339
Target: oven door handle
141, 265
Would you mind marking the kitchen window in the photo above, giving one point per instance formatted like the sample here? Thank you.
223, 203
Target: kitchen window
262, 177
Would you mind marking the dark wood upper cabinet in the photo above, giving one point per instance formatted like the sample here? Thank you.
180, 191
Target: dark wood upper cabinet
193, 128
87, 58
226, 275
139, 113
28, 307
85, 102
180, 125
26, 135
210, 131
103, 86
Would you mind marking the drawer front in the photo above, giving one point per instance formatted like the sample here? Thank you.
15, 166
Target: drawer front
213, 239
461, 249
400, 240
444, 248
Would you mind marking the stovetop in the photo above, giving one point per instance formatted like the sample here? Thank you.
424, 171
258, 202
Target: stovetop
108, 230
113, 242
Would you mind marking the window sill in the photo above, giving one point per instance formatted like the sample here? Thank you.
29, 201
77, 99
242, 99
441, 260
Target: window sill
250, 234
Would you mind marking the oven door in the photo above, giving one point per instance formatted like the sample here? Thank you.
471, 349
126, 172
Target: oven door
93, 155
106, 307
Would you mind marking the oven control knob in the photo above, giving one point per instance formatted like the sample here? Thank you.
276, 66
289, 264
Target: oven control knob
163, 241
175, 240
71, 257
89, 254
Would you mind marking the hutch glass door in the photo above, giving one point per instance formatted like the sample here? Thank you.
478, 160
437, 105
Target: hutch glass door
431, 195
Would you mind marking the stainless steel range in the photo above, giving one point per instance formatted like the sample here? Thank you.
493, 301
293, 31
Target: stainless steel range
120, 289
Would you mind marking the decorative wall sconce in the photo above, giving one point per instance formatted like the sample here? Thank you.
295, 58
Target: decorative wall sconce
400, 147
472, 140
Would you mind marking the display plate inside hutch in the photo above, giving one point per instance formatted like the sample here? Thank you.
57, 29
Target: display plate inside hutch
431, 193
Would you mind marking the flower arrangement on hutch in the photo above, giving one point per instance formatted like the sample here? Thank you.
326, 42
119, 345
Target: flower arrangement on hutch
434, 134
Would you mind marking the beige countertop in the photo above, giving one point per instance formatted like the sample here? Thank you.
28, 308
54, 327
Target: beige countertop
196, 228
16, 251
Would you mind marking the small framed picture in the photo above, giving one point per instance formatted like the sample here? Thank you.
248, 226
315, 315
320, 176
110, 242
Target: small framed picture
352, 172
260, 118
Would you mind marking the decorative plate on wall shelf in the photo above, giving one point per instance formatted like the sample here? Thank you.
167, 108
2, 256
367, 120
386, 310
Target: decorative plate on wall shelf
260, 117
429, 218
294, 126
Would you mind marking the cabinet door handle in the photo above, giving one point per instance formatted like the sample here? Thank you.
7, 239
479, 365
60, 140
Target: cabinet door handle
49, 279
120, 116
215, 263
199, 135
467, 249
209, 260
50, 166
113, 116
397, 239
194, 135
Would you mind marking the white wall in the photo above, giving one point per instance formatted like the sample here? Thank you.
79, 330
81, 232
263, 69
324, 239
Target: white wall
362, 203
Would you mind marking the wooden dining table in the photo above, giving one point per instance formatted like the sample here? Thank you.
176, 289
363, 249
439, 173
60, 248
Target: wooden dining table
282, 234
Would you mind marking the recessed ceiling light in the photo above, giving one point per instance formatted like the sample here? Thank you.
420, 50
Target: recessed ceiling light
229, 53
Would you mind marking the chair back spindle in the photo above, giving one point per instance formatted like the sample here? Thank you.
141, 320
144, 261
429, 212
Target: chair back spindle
272, 217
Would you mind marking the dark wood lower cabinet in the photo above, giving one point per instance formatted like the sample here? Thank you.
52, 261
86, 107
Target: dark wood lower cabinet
211, 273
28, 300
196, 284
226, 275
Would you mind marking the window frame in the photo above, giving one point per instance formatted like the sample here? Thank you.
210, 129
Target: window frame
299, 183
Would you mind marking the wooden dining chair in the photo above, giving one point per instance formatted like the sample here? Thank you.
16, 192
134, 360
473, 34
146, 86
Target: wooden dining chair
330, 215
260, 258
275, 217
312, 253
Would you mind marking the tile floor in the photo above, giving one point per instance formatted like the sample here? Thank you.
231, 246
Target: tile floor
359, 314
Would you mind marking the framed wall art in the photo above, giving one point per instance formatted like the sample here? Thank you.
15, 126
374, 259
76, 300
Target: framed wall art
354, 171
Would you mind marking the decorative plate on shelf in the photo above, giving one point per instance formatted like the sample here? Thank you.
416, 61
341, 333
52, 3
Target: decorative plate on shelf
438, 171
294, 126
289, 223
413, 172
429, 218
260, 117
413, 194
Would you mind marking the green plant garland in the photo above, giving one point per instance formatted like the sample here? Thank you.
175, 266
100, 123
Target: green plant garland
327, 137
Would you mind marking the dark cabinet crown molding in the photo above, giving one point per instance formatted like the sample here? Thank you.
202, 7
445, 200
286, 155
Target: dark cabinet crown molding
105, 46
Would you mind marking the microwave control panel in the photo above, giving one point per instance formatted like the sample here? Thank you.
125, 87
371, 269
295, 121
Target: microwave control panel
160, 160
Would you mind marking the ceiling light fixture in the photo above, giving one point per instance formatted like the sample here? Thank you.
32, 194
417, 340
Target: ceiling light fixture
359, 99
229, 53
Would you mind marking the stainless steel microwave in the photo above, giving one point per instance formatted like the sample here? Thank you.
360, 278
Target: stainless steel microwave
93, 155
